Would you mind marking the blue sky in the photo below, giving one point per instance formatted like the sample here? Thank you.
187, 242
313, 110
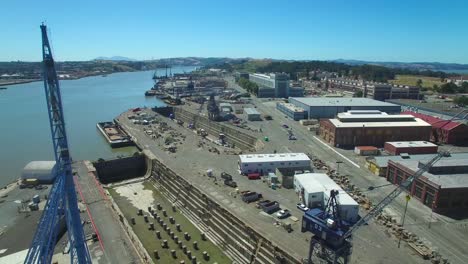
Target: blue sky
376, 30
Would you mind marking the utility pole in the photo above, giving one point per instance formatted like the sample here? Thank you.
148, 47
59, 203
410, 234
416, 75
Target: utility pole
338, 167
408, 197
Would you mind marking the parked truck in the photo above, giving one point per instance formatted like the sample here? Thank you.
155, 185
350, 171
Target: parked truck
230, 183
226, 176
270, 207
248, 196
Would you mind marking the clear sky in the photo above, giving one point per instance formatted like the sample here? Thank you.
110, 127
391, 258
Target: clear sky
376, 30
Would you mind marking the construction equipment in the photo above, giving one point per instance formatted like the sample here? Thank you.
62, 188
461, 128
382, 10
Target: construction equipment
213, 109
62, 202
334, 235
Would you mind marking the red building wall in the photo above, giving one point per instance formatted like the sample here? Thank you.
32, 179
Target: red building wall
394, 150
441, 200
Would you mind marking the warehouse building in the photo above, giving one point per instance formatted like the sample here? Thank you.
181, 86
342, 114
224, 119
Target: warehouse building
410, 147
275, 85
444, 131
292, 111
265, 163
372, 128
376, 90
314, 190
378, 165
317, 108
444, 187
252, 114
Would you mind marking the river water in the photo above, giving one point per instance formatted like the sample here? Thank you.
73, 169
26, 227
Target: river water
24, 125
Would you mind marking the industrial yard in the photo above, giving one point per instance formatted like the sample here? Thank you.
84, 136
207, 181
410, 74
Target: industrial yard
234, 187
216, 142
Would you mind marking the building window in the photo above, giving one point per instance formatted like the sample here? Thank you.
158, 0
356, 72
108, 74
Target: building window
246, 165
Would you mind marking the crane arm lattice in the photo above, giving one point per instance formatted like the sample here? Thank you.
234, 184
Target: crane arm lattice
390, 197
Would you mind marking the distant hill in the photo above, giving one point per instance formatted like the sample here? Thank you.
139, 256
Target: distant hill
421, 66
114, 58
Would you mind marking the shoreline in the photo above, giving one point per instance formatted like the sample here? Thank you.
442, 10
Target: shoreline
19, 82
5, 190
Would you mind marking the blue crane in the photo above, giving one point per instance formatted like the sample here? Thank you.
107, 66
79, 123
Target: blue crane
62, 203
334, 235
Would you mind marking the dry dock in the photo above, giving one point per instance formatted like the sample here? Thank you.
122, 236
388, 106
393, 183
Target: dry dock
242, 229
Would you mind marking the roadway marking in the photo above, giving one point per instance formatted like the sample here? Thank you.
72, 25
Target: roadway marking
77, 184
341, 155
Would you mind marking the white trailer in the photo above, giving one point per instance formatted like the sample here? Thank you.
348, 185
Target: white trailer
315, 189
265, 163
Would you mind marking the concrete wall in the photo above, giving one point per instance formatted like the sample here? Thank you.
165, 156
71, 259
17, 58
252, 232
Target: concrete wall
240, 242
120, 169
241, 139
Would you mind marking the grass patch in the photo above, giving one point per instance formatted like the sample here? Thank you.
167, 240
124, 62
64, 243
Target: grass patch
150, 240
427, 82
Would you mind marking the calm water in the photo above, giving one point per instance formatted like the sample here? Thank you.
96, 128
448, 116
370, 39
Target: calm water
24, 124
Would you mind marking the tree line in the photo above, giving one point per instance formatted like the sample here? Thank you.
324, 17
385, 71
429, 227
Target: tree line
450, 88
298, 69
249, 86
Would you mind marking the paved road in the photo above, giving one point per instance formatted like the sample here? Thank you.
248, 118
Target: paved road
447, 235
114, 245
191, 162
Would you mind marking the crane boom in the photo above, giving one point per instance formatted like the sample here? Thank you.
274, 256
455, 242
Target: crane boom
62, 202
390, 197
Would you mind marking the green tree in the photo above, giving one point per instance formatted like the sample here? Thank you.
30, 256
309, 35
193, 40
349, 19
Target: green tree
464, 88
419, 83
461, 100
448, 88
359, 93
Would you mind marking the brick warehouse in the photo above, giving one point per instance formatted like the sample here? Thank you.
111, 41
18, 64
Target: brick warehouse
444, 131
372, 128
444, 187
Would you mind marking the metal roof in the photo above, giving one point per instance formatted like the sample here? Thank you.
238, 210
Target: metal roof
411, 144
320, 182
444, 180
321, 101
251, 111
435, 121
382, 161
415, 123
274, 157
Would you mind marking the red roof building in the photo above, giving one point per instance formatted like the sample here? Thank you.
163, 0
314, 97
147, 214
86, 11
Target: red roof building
444, 131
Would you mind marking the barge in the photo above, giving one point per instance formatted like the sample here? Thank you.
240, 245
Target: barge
114, 134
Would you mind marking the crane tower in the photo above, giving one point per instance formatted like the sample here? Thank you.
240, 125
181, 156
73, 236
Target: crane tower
62, 203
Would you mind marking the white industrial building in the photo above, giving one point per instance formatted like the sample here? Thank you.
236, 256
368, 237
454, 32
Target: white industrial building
314, 188
265, 163
43, 171
252, 114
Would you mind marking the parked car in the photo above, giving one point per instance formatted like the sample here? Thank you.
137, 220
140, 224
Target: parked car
302, 207
253, 176
285, 126
283, 214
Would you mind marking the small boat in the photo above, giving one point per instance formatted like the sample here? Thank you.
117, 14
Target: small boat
150, 93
